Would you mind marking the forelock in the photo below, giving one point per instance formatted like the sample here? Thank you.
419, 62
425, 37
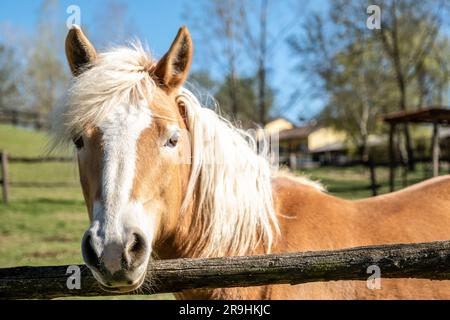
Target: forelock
118, 76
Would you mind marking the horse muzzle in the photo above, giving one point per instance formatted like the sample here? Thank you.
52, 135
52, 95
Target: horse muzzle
119, 266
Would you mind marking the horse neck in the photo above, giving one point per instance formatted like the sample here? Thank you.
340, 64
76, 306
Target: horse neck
169, 245
173, 245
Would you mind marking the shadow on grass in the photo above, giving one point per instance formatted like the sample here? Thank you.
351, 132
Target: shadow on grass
49, 201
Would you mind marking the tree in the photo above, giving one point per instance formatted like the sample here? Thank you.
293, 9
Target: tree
223, 40
263, 37
247, 97
362, 73
238, 41
202, 80
409, 33
204, 86
356, 98
45, 76
215, 94
113, 24
8, 79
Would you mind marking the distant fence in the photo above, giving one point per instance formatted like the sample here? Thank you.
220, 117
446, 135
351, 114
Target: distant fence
418, 260
371, 165
24, 118
5, 182
373, 185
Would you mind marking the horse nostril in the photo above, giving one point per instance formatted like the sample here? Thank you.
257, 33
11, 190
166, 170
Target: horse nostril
135, 250
89, 255
138, 244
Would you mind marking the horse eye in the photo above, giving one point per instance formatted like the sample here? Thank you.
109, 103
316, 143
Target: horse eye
78, 142
172, 142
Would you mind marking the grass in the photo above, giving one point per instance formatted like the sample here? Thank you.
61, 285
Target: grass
24, 142
41, 231
44, 226
40, 225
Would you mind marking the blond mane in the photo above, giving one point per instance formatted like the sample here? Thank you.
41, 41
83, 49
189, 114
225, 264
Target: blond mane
231, 185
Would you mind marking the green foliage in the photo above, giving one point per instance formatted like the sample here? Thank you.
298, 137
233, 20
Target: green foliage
364, 73
242, 89
8, 86
246, 96
45, 75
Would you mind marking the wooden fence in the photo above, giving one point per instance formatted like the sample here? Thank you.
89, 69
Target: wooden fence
5, 182
24, 118
420, 260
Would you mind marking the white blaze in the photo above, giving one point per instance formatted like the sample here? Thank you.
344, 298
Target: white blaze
120, 130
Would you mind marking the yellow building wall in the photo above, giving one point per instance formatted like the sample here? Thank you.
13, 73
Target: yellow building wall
325, 136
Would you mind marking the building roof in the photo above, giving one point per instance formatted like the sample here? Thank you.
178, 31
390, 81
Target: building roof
278, 124
297, 133
426, 115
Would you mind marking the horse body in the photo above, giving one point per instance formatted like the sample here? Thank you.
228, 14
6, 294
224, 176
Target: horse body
312, 220
164, 177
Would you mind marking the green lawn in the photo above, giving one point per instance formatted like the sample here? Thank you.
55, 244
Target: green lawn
44, 226
40, 225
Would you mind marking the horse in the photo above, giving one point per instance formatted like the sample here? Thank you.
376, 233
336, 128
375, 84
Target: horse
164, 177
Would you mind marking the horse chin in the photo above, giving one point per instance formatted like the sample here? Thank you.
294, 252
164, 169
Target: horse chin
123, 289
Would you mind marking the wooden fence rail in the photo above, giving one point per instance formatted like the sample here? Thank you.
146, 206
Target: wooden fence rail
421, 260
5, 183
24, 118
40, 159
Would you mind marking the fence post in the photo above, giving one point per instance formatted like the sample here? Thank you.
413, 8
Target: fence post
392, 160
373, 177
4, 164
14, 117
435, 152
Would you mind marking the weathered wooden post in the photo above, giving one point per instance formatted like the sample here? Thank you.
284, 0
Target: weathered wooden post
373, 177
15, 117
4, 164
391, 157
435, 146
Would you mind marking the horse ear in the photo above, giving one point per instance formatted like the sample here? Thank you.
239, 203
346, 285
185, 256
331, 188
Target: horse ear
79, 51
173, 68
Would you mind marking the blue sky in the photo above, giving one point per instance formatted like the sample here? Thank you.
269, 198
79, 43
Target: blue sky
157, 22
